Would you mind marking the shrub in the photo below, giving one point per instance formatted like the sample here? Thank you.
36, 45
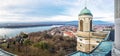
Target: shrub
27, 42
42, 45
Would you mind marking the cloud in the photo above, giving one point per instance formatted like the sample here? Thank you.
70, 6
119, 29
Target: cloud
49, 10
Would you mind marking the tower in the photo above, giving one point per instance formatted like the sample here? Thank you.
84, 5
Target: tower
85, 20
84, 30
116, 47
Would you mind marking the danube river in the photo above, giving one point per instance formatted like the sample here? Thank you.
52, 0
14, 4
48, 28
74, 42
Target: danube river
11, 32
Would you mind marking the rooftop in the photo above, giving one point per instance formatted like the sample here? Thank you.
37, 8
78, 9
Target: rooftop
103, 49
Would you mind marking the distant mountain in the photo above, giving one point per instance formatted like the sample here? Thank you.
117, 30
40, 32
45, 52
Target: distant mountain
94, 22
101, 22
34, 24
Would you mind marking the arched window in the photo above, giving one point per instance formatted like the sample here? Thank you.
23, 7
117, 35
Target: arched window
81, 25
90, 25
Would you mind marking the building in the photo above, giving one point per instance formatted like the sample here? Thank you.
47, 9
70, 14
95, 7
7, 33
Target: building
116, 48
85, 20
87, 40
69, 34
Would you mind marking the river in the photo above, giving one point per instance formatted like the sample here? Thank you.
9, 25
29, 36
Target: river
11, 32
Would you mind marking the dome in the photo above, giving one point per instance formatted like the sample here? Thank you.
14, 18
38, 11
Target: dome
85, 11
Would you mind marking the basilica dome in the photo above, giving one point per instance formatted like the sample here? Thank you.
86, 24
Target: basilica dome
85, 11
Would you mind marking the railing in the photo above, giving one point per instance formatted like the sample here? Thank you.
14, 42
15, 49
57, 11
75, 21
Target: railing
106, 38
103, 52
7, 53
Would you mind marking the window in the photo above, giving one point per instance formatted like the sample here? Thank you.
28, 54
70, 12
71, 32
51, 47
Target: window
98, 41
80, 45
80, 39
93, 46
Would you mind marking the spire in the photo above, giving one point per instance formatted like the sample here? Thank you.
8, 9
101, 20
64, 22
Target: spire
85, 7
85, 3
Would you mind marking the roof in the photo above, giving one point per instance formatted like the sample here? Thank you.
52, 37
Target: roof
69, 33
85, 11
102, 50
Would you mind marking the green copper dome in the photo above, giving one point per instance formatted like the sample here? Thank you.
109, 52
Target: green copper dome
85, 11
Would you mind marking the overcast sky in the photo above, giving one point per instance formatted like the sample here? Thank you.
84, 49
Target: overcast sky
53, 10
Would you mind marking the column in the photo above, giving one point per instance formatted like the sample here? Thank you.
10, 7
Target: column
116, 46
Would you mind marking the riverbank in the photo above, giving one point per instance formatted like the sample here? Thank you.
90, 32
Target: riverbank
41, 43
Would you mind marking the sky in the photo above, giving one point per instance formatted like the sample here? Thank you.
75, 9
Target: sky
54, 10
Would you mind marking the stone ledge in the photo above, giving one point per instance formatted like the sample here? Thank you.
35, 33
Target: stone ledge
115, 51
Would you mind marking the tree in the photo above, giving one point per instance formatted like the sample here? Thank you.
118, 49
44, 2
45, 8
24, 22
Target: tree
27, 42
45, 36
43, 45
24, 35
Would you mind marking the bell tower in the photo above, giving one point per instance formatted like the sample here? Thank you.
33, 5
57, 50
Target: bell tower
85, 20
